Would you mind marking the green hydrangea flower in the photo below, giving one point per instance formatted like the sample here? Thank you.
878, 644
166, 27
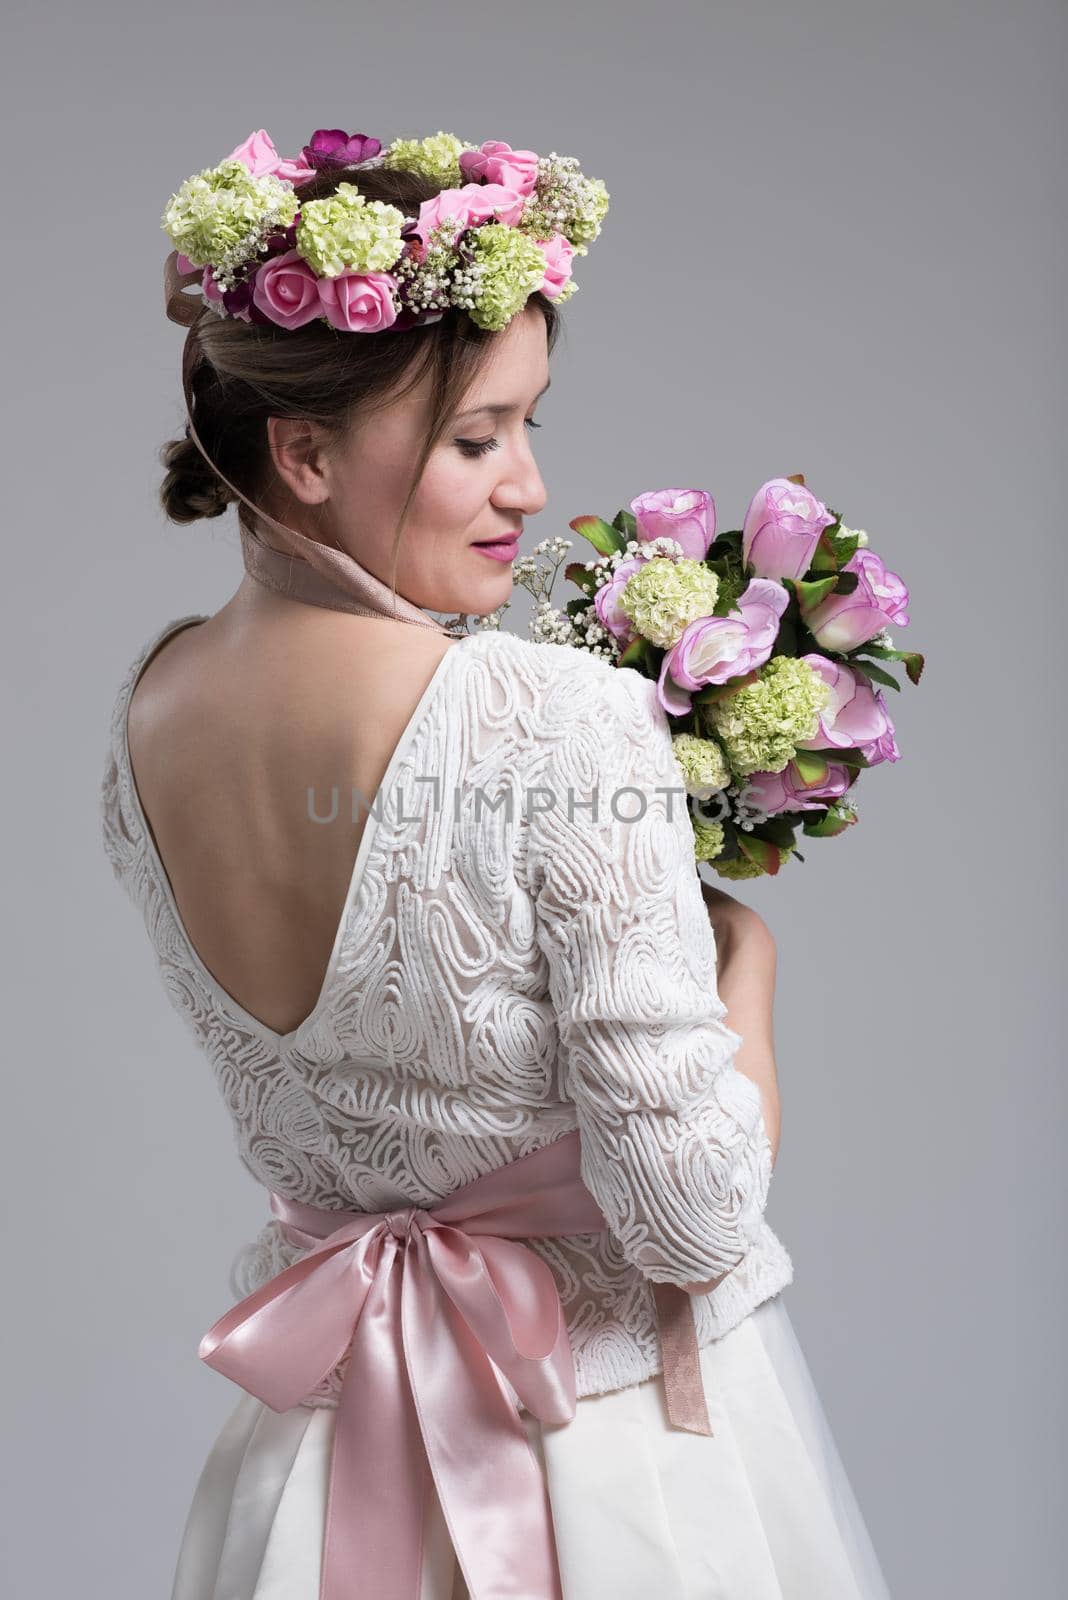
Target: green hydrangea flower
708, 839
346, 232
741, 867
220, 216
590, 212
702, 763
665, 596
437, 157
760, 724
506, 268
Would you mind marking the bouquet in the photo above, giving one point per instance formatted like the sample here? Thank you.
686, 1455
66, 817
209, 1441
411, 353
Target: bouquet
769, 646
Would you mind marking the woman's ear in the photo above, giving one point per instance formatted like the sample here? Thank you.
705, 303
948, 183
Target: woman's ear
298, 450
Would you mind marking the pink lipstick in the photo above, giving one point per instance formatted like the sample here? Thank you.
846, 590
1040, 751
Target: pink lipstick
499, 549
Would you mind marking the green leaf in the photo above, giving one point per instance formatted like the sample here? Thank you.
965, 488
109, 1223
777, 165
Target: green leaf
912, 658
810, 592
845, 545
626, 523
810, 766
633, 655
762, 851
575, 572
777, 830
605, 539
824, 557
575, 607
827, 824
868, 669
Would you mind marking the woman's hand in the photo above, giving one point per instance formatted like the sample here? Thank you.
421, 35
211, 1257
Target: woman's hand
746, 962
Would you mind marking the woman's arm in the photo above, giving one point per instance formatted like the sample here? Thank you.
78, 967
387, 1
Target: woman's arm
746, 956
745, 980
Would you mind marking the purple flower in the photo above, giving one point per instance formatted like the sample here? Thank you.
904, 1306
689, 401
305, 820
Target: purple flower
885, 747
880, 599
782, 529
688, 515
715, 649
606, 601
333, 147
774, 792
855, 716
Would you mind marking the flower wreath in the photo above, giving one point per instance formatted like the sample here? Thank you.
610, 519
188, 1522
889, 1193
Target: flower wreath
506, 224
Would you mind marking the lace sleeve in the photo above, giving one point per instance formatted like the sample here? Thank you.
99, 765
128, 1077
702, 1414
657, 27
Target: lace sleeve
674, 1145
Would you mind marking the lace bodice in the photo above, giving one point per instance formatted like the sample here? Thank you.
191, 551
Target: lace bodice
503, 973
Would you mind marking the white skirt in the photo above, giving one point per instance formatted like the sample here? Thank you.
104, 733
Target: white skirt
761, 1510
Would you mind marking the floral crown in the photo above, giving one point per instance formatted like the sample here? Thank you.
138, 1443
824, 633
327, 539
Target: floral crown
505, 224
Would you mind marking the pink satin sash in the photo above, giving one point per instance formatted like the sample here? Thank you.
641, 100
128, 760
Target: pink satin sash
423, 1393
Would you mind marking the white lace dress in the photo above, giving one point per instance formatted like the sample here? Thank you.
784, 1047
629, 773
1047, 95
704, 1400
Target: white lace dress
508, 970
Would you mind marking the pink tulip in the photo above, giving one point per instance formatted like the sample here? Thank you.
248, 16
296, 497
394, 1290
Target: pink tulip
853, 716
716, 649
782, 529
774, 792
688, 515
842, 621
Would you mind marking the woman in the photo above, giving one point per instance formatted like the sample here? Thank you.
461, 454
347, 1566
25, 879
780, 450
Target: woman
516, 1326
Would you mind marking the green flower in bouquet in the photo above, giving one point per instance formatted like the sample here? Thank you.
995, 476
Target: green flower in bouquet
708, 839
760, 724
702, 764
665, 596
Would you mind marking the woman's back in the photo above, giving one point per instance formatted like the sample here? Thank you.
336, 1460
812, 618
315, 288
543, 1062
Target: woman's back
249, 734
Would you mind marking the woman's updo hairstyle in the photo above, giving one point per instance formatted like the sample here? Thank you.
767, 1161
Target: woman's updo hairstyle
236, 374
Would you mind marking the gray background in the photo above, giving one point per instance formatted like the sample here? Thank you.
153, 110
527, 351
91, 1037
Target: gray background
832, 248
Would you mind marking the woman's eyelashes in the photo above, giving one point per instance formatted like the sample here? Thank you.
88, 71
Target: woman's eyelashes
473, 448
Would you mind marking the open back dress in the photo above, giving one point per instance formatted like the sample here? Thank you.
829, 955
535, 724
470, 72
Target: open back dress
507, 974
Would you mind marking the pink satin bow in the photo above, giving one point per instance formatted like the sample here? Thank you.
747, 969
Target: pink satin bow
427, 1345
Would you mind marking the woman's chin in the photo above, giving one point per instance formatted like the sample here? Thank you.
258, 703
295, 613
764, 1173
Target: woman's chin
478, 600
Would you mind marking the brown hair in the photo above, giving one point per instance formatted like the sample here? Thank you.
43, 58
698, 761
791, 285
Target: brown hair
236, 374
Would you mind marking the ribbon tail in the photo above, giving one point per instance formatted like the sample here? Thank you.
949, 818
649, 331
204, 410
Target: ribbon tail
683, 1380
489, 1481
379, 1477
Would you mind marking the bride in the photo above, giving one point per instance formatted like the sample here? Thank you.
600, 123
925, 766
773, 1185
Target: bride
503, 1066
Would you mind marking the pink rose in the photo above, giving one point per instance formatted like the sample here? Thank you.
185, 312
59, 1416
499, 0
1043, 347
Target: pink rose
359, 302
260, 156
880, 599
606, 601
287, 291
716, 649
853, 716
688, 515
475, 203
773, 792
782, 529
559, 253
496, 162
